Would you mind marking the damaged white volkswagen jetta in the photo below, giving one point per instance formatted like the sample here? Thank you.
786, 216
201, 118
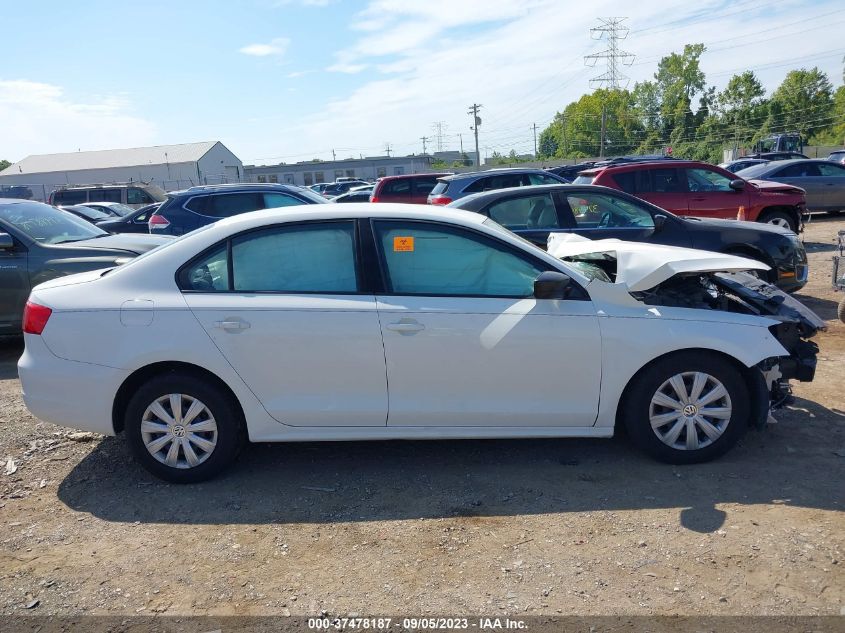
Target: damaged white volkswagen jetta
365, 322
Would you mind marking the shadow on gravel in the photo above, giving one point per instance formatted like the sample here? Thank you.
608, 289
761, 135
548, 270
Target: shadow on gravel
793, 463
825, 308
11, 348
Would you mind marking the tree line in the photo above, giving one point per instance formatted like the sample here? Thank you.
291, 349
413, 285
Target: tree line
678, 109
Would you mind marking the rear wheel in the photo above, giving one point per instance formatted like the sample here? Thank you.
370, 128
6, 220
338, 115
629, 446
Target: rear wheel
183, 429
687, 408
779, 218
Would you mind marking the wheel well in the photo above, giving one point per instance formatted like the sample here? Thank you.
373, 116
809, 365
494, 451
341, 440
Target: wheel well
748, 374
790, 211
142, 375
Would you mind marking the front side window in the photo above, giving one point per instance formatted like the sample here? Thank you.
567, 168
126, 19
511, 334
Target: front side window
527, 212
138, 196
276, 200
831, 170
701, 180
592, 210
422, 258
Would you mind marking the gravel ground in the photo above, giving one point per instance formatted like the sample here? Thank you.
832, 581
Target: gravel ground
419, 528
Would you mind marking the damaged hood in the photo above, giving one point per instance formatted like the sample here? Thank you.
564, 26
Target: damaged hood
642, 266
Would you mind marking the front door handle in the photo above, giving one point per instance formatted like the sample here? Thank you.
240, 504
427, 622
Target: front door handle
406, 326
233, 324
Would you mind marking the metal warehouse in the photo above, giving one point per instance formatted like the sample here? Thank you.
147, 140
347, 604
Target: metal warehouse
170, 167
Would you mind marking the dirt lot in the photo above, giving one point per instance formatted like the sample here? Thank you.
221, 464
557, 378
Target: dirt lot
416, 528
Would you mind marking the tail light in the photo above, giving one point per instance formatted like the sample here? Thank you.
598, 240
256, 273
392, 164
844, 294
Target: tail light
373, 198
438, 199
35, 318
157, 221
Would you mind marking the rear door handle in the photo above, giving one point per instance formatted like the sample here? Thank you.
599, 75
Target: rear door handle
406, 326
232, 325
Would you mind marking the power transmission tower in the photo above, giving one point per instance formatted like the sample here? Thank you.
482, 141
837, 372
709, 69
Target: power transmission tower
613, 77
439, 128
476, 120
534, 127
387, 149
424, 140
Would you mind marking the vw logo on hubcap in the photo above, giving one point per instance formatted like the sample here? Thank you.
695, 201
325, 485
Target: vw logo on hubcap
179, 431
690, 410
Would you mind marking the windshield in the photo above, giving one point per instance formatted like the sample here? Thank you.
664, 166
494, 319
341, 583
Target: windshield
48, 225
308, 194
88, 212
121, 209
754, 171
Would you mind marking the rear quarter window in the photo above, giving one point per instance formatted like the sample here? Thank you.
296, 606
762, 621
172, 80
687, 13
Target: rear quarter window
440, 187
584, 180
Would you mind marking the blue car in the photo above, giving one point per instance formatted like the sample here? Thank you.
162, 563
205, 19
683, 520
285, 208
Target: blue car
186, 210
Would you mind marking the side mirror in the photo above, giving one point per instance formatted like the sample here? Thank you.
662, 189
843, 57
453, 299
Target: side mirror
738, 184
6, 242
551, 285
659, 222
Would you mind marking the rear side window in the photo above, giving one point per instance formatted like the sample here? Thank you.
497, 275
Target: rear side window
70, 197
440, 187
626, 181
105, 195
227, 205
311, 258
661, 181
501, 181
424, 186
525, 213
399, 188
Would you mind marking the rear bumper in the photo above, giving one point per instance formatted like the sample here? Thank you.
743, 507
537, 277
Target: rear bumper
65, 392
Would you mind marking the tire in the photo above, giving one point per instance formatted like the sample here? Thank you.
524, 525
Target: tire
840, 311
639, 408
779, 218
149, 421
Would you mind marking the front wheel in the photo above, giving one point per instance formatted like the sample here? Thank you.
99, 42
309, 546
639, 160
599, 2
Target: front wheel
183, 429
687, 408
779, 218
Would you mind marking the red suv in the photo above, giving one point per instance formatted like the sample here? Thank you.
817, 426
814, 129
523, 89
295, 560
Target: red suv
413, 188
687, 187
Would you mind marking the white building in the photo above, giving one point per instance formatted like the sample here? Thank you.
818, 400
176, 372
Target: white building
170, 167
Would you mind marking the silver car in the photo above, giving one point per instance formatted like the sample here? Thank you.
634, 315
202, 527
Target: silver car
823, 180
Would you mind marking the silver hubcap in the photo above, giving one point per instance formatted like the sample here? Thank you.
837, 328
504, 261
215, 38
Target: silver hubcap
179, 431
690, 411
780, 222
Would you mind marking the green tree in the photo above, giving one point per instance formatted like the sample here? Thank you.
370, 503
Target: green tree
802, 103
743, 107
4, 164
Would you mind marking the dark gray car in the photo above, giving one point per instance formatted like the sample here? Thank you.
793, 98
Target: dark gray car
451, 188
39, 242
823, 180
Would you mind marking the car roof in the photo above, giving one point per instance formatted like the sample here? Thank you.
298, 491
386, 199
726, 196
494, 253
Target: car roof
493, 172
644, 164
241, 186
438, 174
104, 203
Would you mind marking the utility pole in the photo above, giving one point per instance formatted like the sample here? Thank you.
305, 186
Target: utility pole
565, 148
613, 77
333, 155
534, 126
476, 120
387, 148
424, 139
461, 139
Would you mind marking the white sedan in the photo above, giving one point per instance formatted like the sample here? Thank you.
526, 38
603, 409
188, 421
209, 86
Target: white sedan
393, 321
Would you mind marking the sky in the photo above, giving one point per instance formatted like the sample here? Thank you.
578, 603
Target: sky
291, 80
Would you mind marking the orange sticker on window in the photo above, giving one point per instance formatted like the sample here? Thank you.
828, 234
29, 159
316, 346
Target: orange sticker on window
403, 244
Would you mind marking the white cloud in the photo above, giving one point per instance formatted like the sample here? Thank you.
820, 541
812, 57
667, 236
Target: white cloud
523, 60
276, 47
38, 118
